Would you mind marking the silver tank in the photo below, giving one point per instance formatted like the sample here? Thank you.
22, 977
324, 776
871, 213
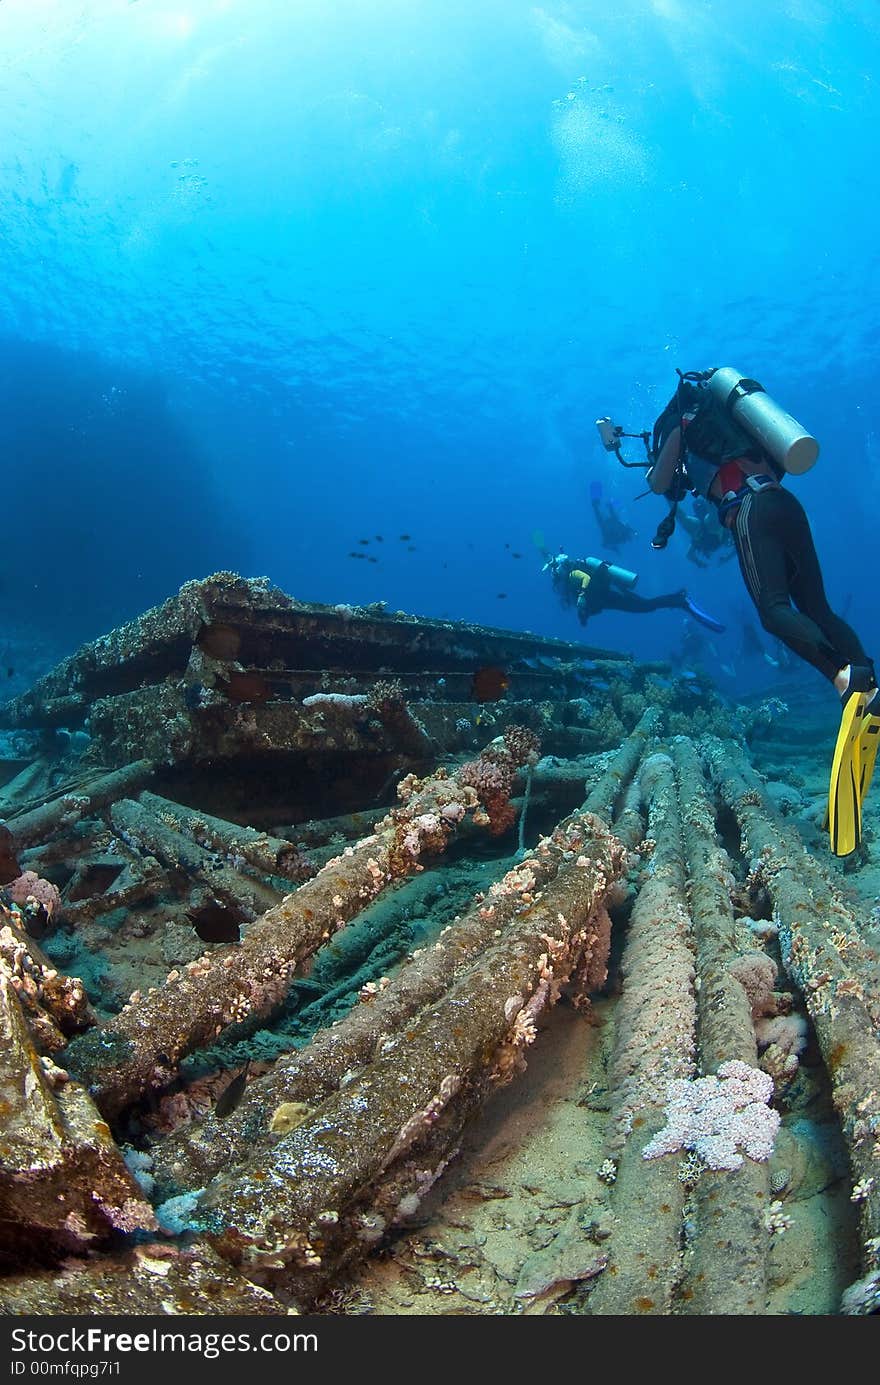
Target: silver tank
778, 433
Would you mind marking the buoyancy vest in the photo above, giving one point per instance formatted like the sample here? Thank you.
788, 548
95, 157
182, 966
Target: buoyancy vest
711, 437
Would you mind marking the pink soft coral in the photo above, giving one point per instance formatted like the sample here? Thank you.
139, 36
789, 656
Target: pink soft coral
30, 886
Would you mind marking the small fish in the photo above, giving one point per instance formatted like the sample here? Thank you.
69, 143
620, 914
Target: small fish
507, 545
232, 1093
193, 695
378, 538
516, 555
411, 548
489, 683
245, 687
220, 641
502, 596
372, 560
405, 538
364, 541
215, 923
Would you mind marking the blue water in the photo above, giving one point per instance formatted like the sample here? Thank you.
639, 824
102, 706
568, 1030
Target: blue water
276, 277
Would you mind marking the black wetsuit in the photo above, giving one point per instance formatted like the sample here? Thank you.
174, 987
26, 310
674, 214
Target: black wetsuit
778, 561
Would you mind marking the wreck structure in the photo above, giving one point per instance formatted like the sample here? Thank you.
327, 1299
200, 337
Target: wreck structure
241, 1052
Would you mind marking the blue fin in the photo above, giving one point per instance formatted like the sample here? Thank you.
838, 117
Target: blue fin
703, 617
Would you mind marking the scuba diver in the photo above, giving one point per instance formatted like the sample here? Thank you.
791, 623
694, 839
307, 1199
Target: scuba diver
751, 647
722, 437
592, 585
614, 530
707, 536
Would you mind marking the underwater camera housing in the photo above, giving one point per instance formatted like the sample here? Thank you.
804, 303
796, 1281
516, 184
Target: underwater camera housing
609, 434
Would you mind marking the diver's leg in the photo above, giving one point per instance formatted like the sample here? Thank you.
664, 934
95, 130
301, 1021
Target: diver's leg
760, 534
808, 589
641, 605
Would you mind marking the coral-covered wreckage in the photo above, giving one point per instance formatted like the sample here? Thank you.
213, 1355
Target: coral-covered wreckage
284, 907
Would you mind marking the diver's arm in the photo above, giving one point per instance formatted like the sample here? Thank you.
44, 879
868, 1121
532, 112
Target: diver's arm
662, 473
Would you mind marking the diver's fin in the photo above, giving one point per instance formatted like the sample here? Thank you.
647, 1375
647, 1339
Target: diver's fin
702, 616
844, 789
868, 743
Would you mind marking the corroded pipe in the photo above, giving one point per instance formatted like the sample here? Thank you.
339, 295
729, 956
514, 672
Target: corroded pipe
86, 798
726, 1269
63, 1184
188, 1158
152, 1279
827, 959
305, 1206
655, 1042
142, 1046
240, 845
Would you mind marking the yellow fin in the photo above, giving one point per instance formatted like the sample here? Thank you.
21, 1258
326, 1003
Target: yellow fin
844, 789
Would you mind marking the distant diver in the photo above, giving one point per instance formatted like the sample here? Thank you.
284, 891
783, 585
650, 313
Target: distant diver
592, 585
708, 538
751, 646
721, 436
614, 530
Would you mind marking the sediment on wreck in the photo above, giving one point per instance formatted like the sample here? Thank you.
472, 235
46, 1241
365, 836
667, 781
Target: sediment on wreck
655, 1041
291, 1217
826, 957
188, 1158
63, 1184
726, 1268
142, 1046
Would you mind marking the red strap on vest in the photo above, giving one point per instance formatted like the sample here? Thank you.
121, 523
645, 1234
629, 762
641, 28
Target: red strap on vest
730, 476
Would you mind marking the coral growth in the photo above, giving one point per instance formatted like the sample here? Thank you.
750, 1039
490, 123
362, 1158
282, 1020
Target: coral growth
715, 1115
491, 775
523, 745
491, 778
781, 1035
30, 886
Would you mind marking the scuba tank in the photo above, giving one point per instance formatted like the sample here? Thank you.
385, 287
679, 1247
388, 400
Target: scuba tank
621, 575
749, 405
